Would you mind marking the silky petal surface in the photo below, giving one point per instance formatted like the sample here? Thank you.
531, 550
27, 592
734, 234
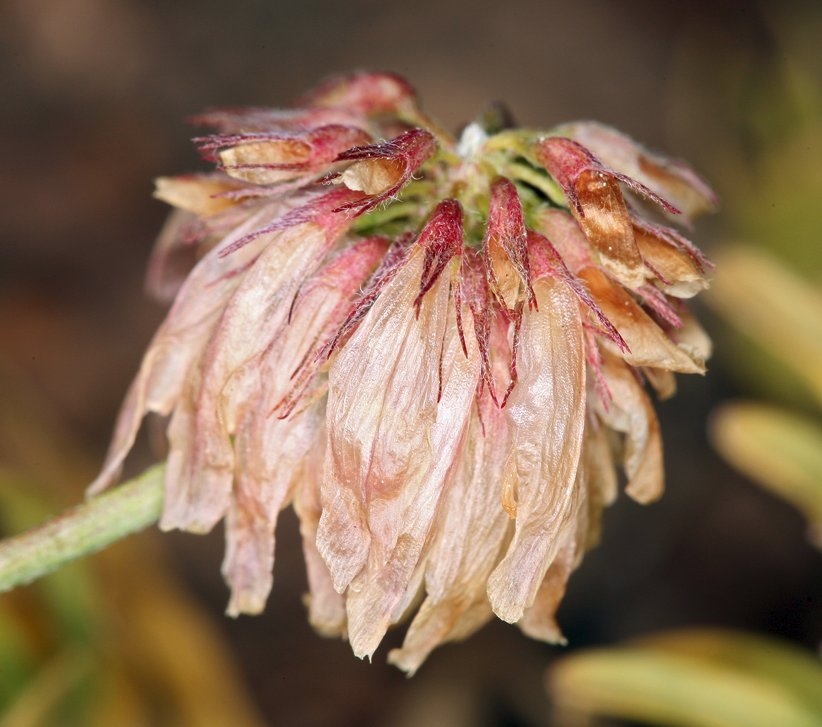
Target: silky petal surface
546, 416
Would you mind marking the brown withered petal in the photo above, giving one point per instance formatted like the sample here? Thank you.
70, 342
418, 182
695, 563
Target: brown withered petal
670, 178
631, 413
408, 338
648, 344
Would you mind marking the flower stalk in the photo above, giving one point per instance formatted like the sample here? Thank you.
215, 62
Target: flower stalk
85, 529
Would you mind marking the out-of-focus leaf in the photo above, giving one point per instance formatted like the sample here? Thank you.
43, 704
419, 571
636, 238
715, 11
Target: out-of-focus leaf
49, 690
110, 640
768, 658
779, 310
692, 679
779, 450
69, 595
171, 642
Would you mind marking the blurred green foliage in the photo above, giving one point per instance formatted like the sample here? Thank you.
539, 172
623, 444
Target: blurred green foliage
111, 640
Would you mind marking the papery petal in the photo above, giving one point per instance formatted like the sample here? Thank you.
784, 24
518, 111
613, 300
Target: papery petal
271, 453
270, 457
600, 472
201, 461
364, 93
179, 343
382, 592
595, 198
394, 424
567, 237
471, 531
269, 158
253, 119
662, 381
326, 607
678, 273
546, 415
648, 343
547, 262
506, 247
380, 170
631, 412
692, 338
323, 306
539, 620
197, 193
670, 178
175, 254
333, 211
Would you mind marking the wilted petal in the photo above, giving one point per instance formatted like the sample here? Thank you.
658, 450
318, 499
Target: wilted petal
567, 237
270, 457
326, 607
672, 179
364, 93
471, 530
202, 194
394, 425
270, 158
201, 461
539, 619
256, 119
546, 415
422, 450
360, 419
648, 343
631, 412
179, 343
595, 198
677, 271
506, 247
380, 170
174, 256
692, 338
272, 453
600, 473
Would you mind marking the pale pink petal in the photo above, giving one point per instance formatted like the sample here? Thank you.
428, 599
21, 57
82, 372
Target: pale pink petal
567, 237
201, 461
272, 453
539, 619
662, 381
180, 342
598, 461
394, 423
271, 456
676, 270
546, 415
401, 521
471, 531
438, 622
631, 412
326, 607
202, 194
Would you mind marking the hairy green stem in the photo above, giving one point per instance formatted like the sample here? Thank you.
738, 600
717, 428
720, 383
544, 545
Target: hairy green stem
82, 530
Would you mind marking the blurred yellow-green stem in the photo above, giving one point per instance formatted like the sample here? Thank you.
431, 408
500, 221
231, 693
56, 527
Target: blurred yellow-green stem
85, 529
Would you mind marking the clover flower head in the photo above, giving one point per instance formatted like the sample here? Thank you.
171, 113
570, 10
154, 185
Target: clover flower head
434, 348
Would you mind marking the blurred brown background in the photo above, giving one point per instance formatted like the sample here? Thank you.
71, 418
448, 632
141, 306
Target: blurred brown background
94, 95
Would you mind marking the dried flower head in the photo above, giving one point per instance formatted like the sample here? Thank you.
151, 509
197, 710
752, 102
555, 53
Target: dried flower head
435, 349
